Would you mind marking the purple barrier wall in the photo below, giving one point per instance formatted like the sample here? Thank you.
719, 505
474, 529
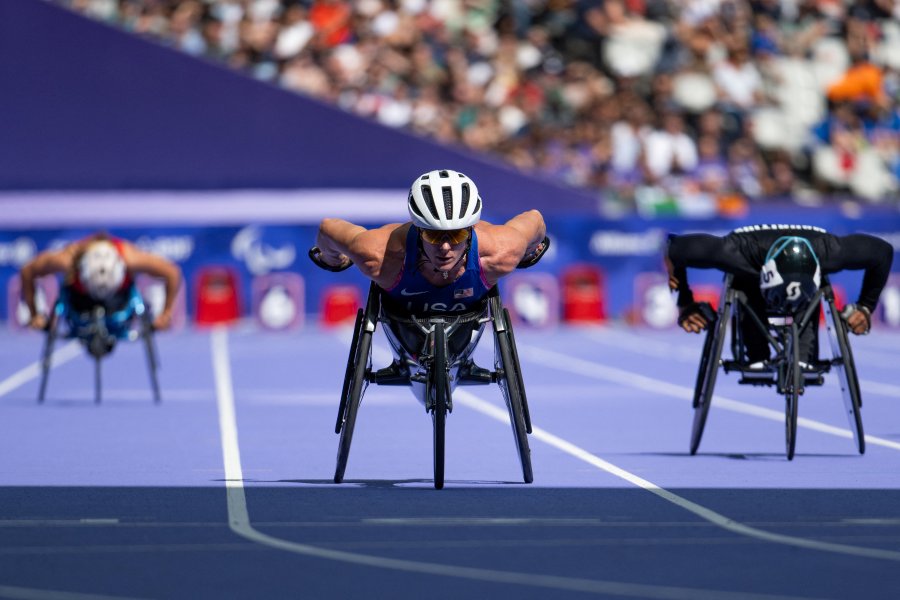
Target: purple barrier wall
85, 106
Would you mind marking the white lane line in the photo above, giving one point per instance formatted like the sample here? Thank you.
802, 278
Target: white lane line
563, 362
571, 449
660, 349
21, 593
32, 371
239, 521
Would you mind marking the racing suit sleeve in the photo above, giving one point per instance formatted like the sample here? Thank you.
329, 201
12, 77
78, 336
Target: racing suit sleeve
862, 251
703, 251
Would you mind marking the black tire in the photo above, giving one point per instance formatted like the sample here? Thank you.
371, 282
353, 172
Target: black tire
846, 370
793, 386
47, 354
440, 389
504, 364
362, 366
518, 366
98, 380
152, 360
706, 376
348, 372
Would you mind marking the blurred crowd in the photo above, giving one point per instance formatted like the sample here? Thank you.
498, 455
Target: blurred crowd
681, 106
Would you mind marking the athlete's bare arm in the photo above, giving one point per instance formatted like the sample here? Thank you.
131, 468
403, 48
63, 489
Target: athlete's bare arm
378, 253
502, 247
45, 263
138, 261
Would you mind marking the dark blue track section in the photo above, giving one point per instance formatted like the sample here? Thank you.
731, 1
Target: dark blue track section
128, 499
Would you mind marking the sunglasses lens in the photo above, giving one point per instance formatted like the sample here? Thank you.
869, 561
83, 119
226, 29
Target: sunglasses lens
455, 236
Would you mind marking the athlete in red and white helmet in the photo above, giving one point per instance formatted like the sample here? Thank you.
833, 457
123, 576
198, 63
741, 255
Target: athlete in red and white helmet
99, 270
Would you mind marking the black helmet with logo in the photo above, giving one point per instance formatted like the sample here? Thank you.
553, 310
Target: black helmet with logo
790, 276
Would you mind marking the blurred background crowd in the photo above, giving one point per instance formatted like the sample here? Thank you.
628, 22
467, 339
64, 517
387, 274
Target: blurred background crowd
688, 106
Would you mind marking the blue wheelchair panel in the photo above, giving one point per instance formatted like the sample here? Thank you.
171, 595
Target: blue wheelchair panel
117, 321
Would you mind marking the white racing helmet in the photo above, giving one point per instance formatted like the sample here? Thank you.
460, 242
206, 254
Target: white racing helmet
444, 200
101, 270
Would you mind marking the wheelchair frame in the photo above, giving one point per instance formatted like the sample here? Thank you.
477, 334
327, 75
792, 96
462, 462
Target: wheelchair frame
434, 371
783, 371
98, 333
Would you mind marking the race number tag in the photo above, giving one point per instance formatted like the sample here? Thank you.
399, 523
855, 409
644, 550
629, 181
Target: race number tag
769, 276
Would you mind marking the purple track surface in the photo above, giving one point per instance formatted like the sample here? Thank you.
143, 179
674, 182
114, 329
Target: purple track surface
224, 490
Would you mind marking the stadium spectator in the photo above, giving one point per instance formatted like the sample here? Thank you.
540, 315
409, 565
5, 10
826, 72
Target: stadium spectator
513, 79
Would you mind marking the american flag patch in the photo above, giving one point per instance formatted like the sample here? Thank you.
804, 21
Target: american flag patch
464, 293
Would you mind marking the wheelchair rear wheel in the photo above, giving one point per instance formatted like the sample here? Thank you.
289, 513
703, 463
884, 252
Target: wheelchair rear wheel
440, 401
150, 349
509, 380
846, 370
706, 375
359, 367
47, 354
526, 414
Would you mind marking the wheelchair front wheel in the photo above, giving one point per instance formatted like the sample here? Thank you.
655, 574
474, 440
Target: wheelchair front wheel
508, 379
793, 383
355, 386
440, 401
706, 378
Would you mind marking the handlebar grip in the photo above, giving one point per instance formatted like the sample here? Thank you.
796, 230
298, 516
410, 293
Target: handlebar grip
533, 260
315, 255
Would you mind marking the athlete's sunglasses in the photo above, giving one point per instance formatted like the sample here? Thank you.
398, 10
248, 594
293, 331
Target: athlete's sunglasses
436, 237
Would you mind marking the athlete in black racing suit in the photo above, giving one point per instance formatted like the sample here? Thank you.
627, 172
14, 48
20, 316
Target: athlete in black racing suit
743, 253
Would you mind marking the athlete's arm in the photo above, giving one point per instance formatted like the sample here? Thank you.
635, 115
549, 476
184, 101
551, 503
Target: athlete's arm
45, 263
138, 261
377, 253
862, 251
699, 251
502, 247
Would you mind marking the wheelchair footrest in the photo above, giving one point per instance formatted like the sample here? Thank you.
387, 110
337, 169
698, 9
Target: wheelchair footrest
472, 374
393, 374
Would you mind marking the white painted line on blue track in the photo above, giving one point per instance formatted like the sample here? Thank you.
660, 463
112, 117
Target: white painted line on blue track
472, 401
657, 349
21, 593
32, 371
239, 521
596, 370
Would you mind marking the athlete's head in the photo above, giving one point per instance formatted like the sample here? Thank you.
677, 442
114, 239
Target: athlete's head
101, 270
444, 200
444, 205
791, 275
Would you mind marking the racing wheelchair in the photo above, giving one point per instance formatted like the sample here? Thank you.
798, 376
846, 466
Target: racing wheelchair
432, 355
99, 331
784, 371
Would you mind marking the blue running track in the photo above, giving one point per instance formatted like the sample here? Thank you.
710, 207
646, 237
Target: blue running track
224, 490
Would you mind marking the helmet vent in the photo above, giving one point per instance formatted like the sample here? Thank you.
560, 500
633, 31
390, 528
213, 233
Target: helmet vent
447, 192
465, 200
415, 208
429, 200
444, 174
477, 204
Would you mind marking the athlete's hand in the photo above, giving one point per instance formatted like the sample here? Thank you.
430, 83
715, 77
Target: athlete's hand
858, 319
38, 321
695, 317
163, 321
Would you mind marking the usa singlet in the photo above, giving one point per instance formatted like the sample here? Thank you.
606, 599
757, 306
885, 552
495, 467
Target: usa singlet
417, 295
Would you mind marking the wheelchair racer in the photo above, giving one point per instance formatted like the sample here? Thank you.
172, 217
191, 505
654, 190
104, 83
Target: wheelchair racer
99, 271
779, 268
445, 259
